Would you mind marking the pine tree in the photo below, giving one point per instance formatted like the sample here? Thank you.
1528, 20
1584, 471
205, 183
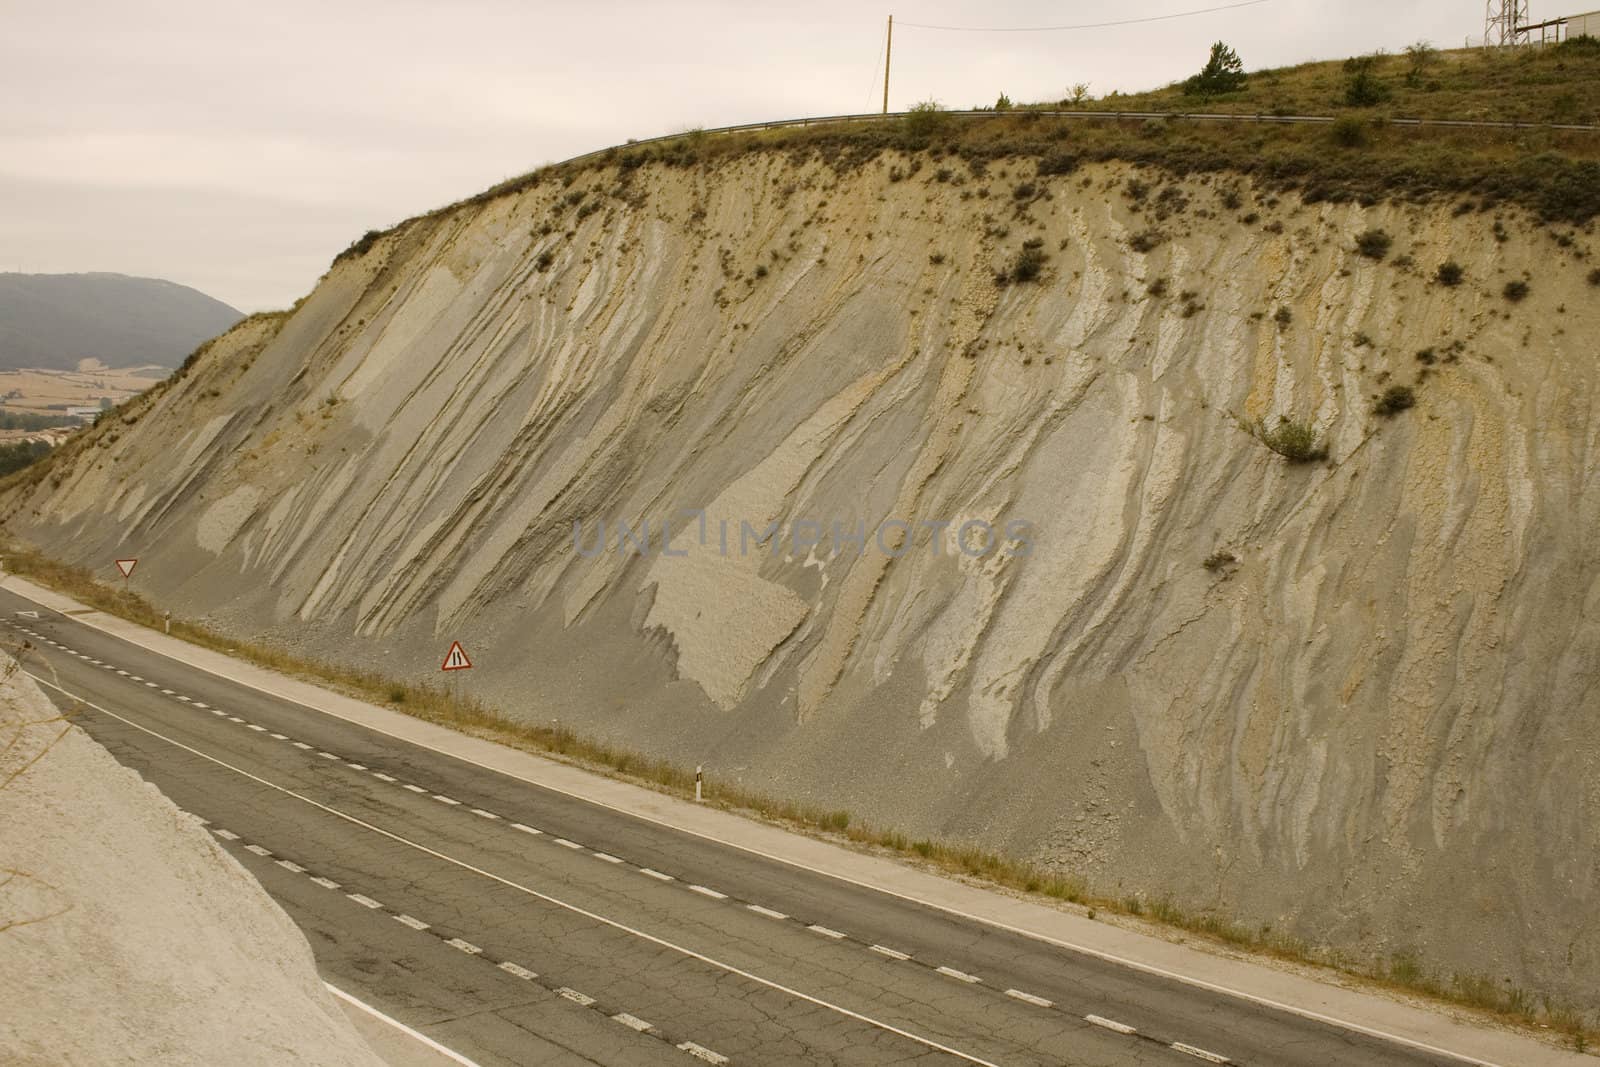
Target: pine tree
1223, 73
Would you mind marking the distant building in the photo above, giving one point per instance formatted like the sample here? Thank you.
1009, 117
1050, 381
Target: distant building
1583, 25
86, 414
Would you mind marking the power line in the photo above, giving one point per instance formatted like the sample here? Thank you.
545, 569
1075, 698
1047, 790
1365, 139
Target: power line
1085, 25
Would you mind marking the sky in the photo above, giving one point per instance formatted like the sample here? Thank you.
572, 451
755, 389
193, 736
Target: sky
238, 147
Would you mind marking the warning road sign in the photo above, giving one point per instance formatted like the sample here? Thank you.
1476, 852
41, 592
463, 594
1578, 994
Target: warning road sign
456, 659
126, 566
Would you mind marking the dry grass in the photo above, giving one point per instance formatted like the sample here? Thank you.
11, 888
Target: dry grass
962, 859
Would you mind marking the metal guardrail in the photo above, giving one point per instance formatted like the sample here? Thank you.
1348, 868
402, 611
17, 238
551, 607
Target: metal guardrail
824, 120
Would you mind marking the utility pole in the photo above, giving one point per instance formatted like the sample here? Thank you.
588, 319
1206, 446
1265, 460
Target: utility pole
888, 50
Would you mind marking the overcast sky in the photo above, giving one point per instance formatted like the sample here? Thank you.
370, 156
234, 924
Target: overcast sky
237, 147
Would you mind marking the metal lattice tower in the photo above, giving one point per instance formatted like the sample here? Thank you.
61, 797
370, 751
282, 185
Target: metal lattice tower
1503, 21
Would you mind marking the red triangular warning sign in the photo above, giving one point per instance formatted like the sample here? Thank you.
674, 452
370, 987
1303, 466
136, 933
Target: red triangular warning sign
456, 659
126, 566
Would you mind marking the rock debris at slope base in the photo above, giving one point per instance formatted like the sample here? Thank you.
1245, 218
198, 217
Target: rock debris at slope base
1375, 728
132, 937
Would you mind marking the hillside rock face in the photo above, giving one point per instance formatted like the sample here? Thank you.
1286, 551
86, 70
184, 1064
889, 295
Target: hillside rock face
1372, 720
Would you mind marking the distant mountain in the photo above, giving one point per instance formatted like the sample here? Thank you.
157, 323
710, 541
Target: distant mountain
55, 320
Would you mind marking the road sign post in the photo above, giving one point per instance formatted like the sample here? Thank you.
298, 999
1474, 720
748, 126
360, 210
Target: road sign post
126, 567
455, 660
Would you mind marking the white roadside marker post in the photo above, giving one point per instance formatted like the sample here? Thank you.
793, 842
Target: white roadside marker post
699, 781
166, 621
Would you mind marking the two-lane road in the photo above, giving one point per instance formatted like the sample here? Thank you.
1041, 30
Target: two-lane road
519, 925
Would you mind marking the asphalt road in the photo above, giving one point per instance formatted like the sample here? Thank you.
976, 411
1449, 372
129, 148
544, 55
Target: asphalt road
516, 925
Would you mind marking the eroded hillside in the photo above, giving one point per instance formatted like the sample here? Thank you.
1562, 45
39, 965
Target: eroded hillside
1352, 698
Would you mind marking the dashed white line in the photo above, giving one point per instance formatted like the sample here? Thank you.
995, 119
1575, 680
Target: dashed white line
278, 737
825, 931
441, 798
516, 969
702, 1053
1029, 998
258, 850
768, 912
235, 718
355, 766
380, 776
1198, 1053
253, 726
893, 954
415, 924
607, 857
302, 745
705, 892
564, 843
465, 946
1110, 1024
326, 883
183, 698
226, 835
151, 685
291, 865
218, 712
413, 788
327, 755
960, 976
122, 672
365, 902
166, 692
525, 829
657, 875
632, 1022
201, 704
480, 813
575, 996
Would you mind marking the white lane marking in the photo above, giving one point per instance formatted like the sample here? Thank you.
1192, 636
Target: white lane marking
278, 737
607, 857
235, 718
258, 850
326, 883
893, 954
253, 726
201, 704
518, 970
413, 788
301, 745
327, 755
1110, 1024
592, 916
465, 946
355, 766
700, 1052
960, 976
226, 835
414, 923
151, 685
657, 875
422, 1039
705, 892
218, 712
441, 798
632, 1022
480, 813
564, 843
168, 693
122, 672
825, 931
291, 865
525, 829
183, 698
380, 776
1029, 998
365, 902
1198, 1053
768, 912
575, 996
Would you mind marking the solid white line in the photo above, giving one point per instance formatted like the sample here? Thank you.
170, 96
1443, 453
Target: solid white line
414, 923
997, 924
712, 893
768, 912
1199, 1053
825, 932
402, 1027
960, 976
519, 971
575, 909
657, 875
702, 1053
893, 954
465, 946
1110, 1024
525, 829
1029, 998
575, 996
632, 1022
365, 902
